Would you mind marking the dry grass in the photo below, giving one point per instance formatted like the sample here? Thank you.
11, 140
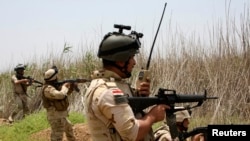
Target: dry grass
218, 63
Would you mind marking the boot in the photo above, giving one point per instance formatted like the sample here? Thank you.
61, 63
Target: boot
10, 118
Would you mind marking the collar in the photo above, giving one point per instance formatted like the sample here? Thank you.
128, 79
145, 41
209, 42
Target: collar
112, 76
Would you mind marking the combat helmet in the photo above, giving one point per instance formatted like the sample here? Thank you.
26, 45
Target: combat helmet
117, 46
51, 74
181, 115
20, 67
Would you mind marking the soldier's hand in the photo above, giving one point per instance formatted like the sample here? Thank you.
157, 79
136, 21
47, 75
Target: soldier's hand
66, 85
72, 88
26, 81
144, 88
158, 112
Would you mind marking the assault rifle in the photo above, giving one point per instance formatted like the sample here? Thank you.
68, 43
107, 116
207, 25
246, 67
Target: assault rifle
168, 97
73, 81
32, 80
195, 131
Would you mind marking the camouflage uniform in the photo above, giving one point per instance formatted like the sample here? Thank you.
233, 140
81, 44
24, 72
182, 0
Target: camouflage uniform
109, 115
20, 104
163, 133
56, 103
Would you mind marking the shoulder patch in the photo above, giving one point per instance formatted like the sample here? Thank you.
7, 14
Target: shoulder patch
119, 97
116, 91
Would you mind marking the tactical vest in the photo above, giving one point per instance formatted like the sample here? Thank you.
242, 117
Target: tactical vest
60, 105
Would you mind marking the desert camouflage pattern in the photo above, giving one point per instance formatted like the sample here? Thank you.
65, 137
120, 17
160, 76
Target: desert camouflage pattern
162, 133
20, 104
58, 127
108, 114
58, 119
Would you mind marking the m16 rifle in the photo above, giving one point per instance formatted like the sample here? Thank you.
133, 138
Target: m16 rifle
167, 97
73, 82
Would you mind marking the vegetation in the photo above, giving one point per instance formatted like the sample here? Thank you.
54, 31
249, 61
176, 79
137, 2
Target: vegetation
218, 61
21, 130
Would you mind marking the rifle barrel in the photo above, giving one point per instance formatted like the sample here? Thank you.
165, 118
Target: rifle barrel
214, 97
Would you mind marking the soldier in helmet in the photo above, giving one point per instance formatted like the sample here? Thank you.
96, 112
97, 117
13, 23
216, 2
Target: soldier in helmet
55, 101
182, 123
20, 85
109, 116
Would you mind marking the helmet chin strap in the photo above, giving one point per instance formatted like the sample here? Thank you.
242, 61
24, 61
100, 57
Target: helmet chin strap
124, 69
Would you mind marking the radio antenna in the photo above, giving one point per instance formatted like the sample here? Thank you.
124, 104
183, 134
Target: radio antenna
149, 59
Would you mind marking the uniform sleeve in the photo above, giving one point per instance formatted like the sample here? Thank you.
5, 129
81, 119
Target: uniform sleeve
120, 114
14, 79
52, 93
162, 133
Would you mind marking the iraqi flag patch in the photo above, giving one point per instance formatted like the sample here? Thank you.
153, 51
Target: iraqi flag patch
117, 91
119, 97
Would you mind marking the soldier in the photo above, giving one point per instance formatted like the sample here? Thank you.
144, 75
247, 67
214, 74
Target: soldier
55, 101
108, 114
20, 85
182, 123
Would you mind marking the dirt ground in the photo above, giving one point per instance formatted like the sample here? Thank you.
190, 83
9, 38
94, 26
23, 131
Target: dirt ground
80, 130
